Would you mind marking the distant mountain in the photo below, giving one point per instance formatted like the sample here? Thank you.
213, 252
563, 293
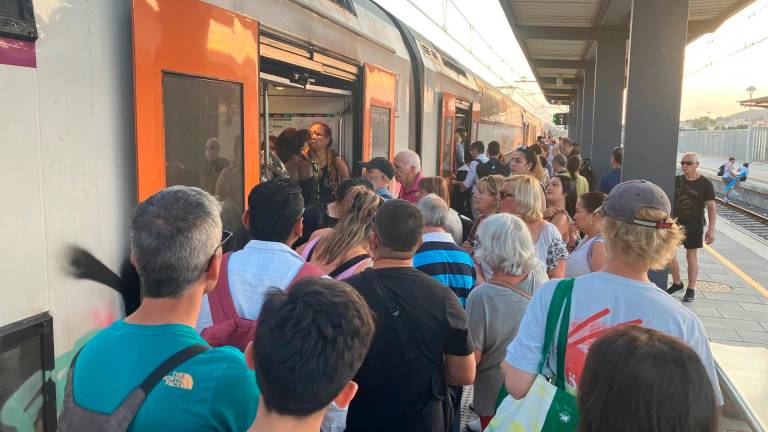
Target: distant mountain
757, 114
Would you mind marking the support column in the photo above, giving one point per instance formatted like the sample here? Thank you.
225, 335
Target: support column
579, 113
588, 104
658, 35
609, 92
571, 129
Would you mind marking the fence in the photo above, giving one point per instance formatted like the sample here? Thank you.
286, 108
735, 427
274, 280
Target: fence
726, 143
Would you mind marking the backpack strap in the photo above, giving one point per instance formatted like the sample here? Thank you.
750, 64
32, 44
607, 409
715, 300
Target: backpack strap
348, 264
559, 313
310, 249
306, 270
169, 364
220, 299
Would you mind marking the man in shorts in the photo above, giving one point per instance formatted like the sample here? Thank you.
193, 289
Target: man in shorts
693, 194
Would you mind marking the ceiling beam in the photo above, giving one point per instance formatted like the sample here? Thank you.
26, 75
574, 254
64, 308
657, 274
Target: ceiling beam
557, 64
565, 33
559, 91
553, 81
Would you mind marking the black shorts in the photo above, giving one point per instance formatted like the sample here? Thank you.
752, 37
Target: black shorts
694, 233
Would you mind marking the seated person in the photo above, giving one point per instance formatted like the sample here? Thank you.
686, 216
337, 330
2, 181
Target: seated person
309, 344
176, 241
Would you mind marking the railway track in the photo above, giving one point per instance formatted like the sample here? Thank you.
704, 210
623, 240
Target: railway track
750, 220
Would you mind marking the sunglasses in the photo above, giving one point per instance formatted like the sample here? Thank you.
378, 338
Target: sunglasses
689, 163
225, 236
503, 194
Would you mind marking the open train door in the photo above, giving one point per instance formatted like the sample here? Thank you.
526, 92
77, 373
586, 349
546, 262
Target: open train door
196, 70
379, 104
447, 152
476, 122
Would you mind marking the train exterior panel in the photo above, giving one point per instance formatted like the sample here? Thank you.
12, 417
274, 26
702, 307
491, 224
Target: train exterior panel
71, 169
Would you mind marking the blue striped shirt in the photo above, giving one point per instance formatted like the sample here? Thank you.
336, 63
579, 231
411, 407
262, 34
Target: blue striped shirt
447, 263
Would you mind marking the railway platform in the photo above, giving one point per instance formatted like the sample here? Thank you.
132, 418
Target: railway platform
752, 193
732, 303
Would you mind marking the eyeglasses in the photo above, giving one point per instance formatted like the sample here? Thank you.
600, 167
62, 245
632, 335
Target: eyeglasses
689, 163
503, 194
225, 236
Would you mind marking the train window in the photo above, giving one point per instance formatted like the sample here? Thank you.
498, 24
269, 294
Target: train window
446, 147
380, 131
204, 139
17, 19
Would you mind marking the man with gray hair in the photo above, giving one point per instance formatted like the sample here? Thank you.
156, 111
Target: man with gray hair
439, 256
151, 370
408, 174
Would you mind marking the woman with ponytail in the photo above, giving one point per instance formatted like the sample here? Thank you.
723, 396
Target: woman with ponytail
343, 250
330, 169
573, 166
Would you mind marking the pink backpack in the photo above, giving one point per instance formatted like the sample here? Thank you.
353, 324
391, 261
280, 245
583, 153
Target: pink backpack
228, 327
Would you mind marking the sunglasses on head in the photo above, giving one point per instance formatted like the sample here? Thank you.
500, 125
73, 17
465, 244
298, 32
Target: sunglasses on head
689, 163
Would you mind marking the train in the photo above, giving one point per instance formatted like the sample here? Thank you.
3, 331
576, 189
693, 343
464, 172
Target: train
104, 103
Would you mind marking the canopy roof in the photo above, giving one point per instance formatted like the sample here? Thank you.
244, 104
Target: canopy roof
761, 102
558, 36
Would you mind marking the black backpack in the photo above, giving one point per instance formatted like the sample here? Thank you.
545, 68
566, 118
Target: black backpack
493, 166
721, 170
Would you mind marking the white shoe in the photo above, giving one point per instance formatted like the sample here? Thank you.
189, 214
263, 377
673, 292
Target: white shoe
474, 426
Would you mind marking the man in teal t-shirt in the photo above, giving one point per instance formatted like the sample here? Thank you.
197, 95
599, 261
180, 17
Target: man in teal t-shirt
175, 246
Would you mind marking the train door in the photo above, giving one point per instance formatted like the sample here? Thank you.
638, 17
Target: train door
379, 102
196, 100
302, 86
476, 122
447, 165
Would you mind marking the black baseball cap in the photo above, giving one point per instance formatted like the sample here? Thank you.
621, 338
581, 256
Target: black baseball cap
381, 164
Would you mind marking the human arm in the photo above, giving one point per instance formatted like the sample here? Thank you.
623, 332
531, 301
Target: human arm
460, 370
516, 381
343, 169
597, 256
471, 175
477, 320
557, 272
709, 237
560, 221
459, 363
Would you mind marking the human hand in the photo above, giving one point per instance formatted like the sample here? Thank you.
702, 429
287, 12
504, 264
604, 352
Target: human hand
709, 237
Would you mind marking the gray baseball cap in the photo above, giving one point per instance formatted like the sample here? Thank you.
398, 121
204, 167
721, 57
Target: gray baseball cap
627, 198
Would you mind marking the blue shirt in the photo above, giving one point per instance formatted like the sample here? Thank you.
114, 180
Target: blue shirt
609, 181
384, 193
213, 391
444, 261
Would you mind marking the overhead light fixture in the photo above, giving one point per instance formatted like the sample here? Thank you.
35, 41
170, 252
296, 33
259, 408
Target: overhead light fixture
559, 81
279, 88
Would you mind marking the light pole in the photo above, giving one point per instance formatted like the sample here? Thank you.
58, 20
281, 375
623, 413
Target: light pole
750, 89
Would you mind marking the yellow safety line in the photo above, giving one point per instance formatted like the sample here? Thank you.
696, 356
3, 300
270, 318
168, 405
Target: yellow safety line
745, 277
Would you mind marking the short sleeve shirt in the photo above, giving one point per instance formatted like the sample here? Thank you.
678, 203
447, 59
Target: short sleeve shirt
214, 390
691, 198
388, 383
602, 301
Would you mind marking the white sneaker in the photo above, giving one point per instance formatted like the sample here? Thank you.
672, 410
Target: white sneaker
474, 425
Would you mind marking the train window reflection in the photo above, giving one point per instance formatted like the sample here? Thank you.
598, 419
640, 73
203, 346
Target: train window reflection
203, 121
445, 146
380, 123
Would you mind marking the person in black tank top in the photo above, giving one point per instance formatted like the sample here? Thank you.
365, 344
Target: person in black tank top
330, 169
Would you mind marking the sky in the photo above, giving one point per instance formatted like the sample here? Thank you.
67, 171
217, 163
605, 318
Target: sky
718, 67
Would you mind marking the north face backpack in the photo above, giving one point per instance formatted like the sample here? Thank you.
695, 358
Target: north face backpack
228, 327
74, 418
493, 166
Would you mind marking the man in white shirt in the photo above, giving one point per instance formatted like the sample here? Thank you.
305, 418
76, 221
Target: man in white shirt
274, 219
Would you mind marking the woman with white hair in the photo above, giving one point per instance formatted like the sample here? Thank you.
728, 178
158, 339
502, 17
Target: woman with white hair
495, 308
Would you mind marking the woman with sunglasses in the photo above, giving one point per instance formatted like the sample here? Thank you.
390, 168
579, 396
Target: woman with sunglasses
526, 162
486, 202
522, 196
329, 167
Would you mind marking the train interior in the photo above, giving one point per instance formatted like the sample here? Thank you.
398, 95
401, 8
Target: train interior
297, 97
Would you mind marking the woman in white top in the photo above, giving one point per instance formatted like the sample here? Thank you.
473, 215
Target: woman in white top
522, 196
506, 248
589, 255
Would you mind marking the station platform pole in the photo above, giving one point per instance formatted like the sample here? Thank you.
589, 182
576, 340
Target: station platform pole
587, 108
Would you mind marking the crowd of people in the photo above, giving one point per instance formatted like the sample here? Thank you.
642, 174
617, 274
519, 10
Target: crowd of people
372, 312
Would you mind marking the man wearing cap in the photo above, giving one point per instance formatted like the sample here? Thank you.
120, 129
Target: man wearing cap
379, 171
640, 235
693, 193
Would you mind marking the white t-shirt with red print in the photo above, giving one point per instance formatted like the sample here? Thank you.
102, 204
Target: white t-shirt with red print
602, 301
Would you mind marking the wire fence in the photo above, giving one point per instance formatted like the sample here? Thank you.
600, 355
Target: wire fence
726, 143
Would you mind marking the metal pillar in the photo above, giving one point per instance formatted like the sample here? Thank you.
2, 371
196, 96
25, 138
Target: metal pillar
579, 113
587, 108
609, 92
571, 129
658, 34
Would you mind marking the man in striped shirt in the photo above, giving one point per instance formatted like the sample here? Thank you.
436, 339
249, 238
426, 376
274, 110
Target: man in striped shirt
439, 256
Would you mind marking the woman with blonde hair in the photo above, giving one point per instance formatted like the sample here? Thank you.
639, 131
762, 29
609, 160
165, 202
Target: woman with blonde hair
639, 236
486, 200
506, 249
343, 250
522, 196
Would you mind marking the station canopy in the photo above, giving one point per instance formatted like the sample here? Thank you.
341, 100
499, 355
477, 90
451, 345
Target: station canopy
761, 102
558, 36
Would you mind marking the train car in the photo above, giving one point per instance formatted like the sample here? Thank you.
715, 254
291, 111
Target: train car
104, 103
